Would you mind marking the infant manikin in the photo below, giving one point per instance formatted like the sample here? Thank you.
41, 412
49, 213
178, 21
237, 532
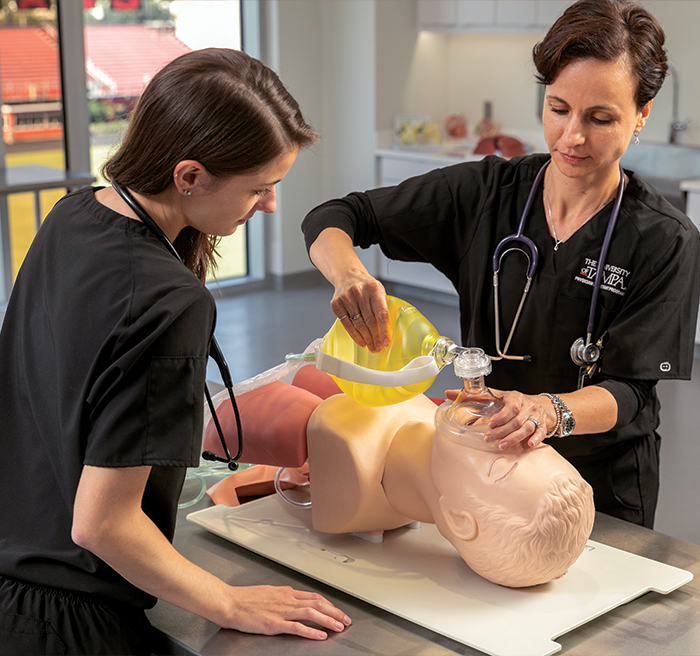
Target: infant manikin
518, 517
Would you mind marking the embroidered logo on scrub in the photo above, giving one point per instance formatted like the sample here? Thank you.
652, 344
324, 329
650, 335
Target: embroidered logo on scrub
615, 278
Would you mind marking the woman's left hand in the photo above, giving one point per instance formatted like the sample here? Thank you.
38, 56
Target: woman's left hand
524, 418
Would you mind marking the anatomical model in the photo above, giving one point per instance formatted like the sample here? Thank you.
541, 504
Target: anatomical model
518, 517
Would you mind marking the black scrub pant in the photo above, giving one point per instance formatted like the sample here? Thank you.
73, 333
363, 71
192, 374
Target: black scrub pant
35, 621
626, 485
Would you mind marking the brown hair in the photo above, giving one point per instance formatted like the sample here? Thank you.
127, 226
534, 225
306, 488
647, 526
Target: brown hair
220, 107
606, 30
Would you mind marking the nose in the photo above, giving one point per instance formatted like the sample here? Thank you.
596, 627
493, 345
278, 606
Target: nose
268, 204
574, 134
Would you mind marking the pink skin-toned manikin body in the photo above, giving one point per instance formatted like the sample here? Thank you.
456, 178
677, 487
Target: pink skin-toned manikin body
518, 518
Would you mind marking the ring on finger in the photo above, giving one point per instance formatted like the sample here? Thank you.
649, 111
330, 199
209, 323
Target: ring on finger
356, 317
534, 421
345, 316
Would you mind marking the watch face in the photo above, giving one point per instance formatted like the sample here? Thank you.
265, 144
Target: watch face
567, 423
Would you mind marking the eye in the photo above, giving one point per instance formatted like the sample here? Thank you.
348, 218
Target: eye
601, 121
262, 192
501, 468
558, 110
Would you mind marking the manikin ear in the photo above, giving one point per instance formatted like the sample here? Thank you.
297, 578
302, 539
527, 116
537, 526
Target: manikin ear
190, 176
461, 524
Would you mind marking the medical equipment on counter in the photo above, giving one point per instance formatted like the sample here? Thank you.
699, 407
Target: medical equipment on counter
406, 368
214, 349
584, 353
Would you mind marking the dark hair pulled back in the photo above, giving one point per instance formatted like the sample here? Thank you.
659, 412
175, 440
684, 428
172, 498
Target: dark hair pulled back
606, 30
220, 107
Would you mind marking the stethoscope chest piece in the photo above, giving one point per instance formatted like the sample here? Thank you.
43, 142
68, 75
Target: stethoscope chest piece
584, 354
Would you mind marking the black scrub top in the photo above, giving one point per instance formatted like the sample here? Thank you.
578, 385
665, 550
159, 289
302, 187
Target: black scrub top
103, 355
454, 217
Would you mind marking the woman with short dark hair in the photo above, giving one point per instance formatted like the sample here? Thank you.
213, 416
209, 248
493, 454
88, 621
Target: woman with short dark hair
103, 356
614, 267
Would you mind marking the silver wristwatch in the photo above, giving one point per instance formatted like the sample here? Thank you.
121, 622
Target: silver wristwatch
565, 418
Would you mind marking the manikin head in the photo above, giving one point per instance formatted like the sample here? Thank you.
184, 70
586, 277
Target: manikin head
518, 517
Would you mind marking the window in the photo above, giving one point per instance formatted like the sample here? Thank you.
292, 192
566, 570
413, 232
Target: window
126, 42
156, 33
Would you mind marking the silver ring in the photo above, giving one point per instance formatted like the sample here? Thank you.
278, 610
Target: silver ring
345, 316
534, 421
356, 317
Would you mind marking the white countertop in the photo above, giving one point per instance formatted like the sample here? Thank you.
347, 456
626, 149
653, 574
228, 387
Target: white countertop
693, 186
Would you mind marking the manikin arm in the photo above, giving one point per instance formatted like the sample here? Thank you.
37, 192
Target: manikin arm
109, 522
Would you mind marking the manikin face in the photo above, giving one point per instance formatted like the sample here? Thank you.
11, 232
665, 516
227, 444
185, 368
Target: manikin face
515, 479
232, 202
589, 116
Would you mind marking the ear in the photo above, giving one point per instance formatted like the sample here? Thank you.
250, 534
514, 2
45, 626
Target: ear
644, 115
190, 176
461, 524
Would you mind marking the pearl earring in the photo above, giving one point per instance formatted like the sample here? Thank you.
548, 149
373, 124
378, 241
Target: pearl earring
187, 192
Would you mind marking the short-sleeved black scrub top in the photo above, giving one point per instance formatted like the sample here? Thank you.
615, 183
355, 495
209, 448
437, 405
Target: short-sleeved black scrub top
454, 217
103, 355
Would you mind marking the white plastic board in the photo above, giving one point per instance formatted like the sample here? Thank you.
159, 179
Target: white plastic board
416, 574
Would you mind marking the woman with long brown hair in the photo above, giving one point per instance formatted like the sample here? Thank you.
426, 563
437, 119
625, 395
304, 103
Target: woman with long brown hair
104, 348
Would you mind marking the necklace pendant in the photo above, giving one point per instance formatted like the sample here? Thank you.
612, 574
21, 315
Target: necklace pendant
556, 244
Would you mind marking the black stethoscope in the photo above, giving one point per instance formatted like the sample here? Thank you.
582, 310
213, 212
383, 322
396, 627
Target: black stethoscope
584, 353
214, 349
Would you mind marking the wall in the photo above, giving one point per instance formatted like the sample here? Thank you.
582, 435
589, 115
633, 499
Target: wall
679, 19
456, 73
323, 50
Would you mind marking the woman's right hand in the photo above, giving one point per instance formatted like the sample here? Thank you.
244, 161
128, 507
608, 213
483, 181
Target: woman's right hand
270, 610
359, 302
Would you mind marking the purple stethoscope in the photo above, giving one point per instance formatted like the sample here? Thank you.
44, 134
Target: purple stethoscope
584, 352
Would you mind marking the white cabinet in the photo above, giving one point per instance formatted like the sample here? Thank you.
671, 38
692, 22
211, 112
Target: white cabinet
549, 10
516, 13
488, 15
436, 14
393, 169
476, 13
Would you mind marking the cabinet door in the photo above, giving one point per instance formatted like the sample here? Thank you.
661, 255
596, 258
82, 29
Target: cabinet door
549, 10
474, 13
516, 13
436, 14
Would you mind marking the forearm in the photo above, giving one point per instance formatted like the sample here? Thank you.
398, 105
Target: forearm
530, 418
334, 256
109, 522
133, 546
594, 409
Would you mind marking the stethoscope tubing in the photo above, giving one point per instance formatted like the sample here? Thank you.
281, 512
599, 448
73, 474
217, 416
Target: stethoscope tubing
519, 237
214, 349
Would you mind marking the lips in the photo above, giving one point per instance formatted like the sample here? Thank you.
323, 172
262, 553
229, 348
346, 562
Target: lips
571, 159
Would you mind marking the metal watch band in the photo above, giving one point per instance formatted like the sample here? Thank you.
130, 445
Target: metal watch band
565, 418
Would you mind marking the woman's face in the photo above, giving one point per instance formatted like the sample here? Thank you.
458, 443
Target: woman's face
232, 202
589, 117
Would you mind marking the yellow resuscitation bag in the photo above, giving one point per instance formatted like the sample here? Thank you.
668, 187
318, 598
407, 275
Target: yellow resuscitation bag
406, 368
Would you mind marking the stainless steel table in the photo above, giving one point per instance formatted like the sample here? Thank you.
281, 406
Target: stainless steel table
651, 625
